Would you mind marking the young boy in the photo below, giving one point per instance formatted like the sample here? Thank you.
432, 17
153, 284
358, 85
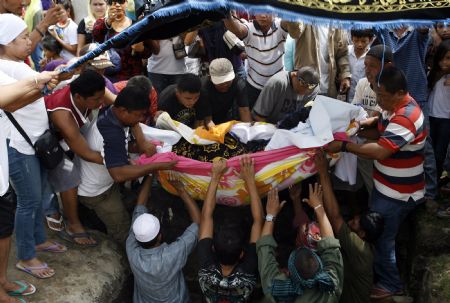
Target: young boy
361, 40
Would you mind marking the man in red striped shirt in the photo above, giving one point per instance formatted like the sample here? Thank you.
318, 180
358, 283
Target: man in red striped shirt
398, 169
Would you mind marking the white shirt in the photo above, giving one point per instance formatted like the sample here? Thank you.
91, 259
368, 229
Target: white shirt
69, 35
95, 178
33, 117
265, 52
165, 62
4, 124
366, 97
324, 58
357, 69
440, 99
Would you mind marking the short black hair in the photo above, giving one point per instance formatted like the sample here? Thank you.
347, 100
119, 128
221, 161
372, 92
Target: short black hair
372, 223
51, 44
189, 83
393, 79
381, 52
228, 244
306, 263
141, 81
360, 33
132, 98
87, 84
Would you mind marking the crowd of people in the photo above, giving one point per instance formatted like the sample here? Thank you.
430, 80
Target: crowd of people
246, 68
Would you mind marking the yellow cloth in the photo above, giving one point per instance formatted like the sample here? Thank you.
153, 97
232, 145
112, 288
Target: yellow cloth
216, 133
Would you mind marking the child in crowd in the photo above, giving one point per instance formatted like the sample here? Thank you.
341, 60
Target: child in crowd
361, 40
439, 83
65, 31
52, 54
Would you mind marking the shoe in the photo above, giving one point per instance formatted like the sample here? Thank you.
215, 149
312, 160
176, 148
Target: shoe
70, 237
29, 270
54, 224
443, 214
22, 291
379, 292
54, 248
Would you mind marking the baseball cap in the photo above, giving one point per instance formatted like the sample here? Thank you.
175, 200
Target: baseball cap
221, 70
146, 227
102, 61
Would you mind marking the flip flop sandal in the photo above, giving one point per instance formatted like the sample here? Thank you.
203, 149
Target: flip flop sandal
55, 248
65, 235
444, 214
29, 270
22, 290
51, 221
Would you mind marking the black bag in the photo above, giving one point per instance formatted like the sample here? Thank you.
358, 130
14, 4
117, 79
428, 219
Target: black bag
47, 147
179, 49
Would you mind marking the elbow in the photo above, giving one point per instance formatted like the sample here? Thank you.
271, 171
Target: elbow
117, 176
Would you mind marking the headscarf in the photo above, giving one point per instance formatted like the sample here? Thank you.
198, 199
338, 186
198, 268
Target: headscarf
11, 26
288, 290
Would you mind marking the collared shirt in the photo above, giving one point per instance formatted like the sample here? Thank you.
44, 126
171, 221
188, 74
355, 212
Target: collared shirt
401, 176
158, 275
115, 136
264, 52
357, 69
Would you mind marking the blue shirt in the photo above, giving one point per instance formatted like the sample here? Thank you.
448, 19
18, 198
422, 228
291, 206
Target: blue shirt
409, 56
114, 137
158, 275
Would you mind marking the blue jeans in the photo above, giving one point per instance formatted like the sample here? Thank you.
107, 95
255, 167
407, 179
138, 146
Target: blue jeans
385, 264
429, 165
161, 81
29, 180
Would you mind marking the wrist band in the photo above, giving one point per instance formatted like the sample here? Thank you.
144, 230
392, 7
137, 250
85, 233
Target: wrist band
318, 206
36, 81
39, 31
344, 146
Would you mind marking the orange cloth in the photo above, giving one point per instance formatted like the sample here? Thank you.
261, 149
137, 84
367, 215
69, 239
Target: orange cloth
216, 133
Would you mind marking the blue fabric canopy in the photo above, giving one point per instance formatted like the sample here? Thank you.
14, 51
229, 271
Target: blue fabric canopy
168, 18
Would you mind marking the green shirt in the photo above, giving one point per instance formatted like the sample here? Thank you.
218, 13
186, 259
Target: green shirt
358, 261
327, 249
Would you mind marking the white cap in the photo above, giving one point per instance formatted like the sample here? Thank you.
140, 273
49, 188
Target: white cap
146, 227
11, 26
221, 70
102, 61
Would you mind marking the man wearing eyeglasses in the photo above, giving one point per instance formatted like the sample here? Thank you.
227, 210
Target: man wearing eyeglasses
286, 92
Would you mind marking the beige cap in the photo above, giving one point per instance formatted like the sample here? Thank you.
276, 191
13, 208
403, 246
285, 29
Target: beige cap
221, 70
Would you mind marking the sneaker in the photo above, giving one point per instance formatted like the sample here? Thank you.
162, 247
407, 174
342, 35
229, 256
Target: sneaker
379, 292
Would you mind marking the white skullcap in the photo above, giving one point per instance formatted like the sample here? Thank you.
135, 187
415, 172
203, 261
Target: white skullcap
146, 227
11, 26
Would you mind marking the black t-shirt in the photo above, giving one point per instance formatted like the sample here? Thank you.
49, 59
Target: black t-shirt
238, 286
224, 105
82, 31
168, 102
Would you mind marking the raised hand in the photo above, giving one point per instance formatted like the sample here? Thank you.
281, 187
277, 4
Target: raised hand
247, 168
274, 206
315, 196
174, 179
219, 167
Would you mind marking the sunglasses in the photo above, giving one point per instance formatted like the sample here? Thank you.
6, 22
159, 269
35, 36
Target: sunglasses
306, 84
111, 2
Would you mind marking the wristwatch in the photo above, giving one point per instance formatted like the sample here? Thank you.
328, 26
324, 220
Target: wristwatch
270, 218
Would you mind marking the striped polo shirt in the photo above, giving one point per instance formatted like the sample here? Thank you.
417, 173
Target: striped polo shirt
264, 52
401, 176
